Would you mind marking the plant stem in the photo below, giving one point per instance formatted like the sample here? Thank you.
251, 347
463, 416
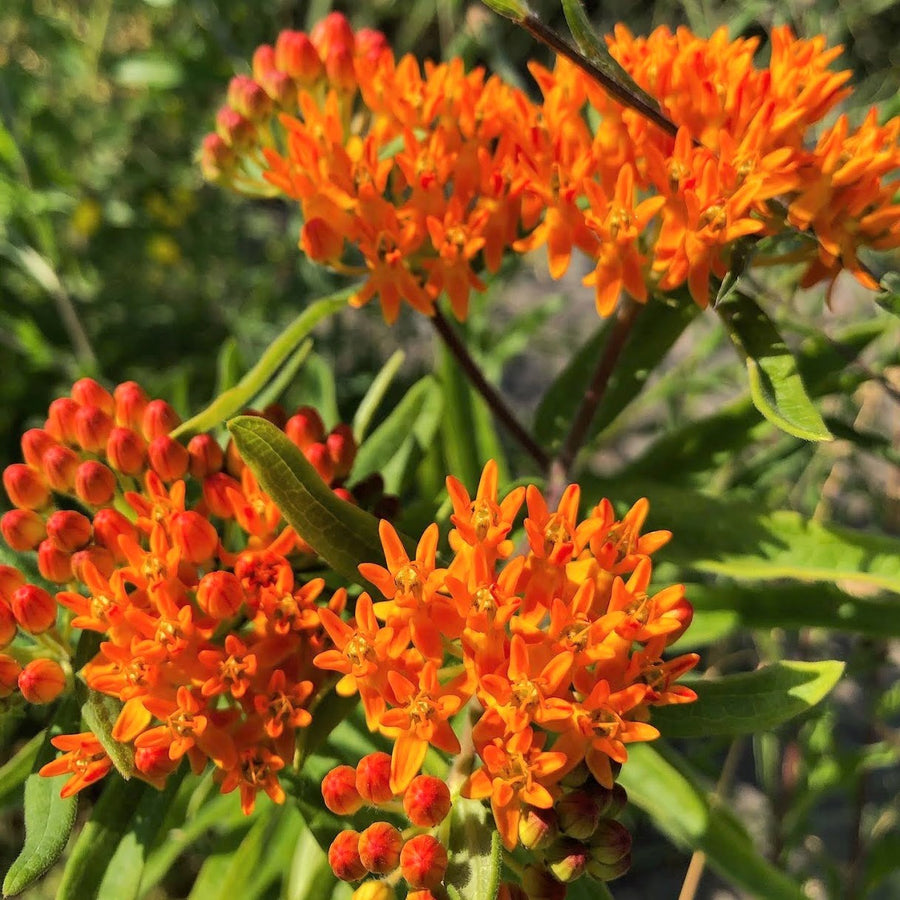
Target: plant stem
490, 394
558, 475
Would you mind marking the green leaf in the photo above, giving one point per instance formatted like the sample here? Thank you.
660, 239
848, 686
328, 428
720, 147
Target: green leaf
473, 872
278, 352
310, 876
750, 702
663, 785
888, 298
369, 404
100, 713
795, 606
776, 387
16, 769
149, 70
48, 817
342, 534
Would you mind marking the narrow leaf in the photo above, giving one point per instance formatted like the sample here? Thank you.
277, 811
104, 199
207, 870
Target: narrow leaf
310, 876
379, 387
237, 398
776, 387
664, 786
474, 850
342, 534
100, 713
750, 702
16, 769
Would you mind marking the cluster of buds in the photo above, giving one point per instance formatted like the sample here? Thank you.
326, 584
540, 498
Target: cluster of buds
557, 651
185, 567
431, 176
416, 855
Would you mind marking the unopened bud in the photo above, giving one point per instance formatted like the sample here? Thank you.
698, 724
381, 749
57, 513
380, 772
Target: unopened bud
423, 861
342, 449
296, 56
609, 871
60, 465
538, 828
153, 764
370, 45
235, 130
60, 422
345, 495
25, 487
217, 158
610, 842
333, 38
9, 675
95, 483
34, 608
99, 557
194, 536
8, 625
54, 564
159, 418
280, 87
126, 451
263, 60
305, 427
87, 392
69, 530
168, 458
109, 526
339, 791
22, 529
539, 884
343, 857
578, 814
320, 460
35, 442
130, 402
10, 579
234, 462
215, 494
92, 428
220, 595
373, 778
379, 848
42, 681
426, 801
206, 456
374, 890
568, 859
248, 98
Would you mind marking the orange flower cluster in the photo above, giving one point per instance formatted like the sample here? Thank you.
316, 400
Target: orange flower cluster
558, 648
418, 180
186, 568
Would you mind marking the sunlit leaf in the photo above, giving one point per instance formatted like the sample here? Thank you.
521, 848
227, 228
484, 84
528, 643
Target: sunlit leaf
380, 385
475, 853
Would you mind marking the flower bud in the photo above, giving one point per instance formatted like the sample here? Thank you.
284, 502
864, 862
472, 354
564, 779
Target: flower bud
54, 564
305, 427
34, 608
215, 494
538, 828
576, 777
109, 526
194, 536
343, 857
60, 423
168, 458
342, 449
95, 483
320, 242
339, 791
263, 60
320, 459
248, 98
610, 842
235, 130
69, 530
22, 529
42, 681
206, 456
280, 87
60, 465
296, 56
334, 40
126, 451
8, 625
424, 894
578, 814
370, 45
345, 495
130, 402
568, 859
87, 392
99, 557
153, 764
539, 884
92, 428
159, 418
374, 890
10, 579
373, 778
609, 871
610, 802
220, 595
25, 487
217, 159
234, 462
379, 848
9, 675
426, 801
35, 442
423, 861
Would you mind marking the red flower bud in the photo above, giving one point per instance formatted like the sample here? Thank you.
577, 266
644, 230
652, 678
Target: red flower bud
234, 464
22, 529
10, 579
320, 242
109, 525
217, 159
320, 459
423, 861
343, 857
54, 564
25, 487
248, 98
371, 45
9, 675
86, 392
159, 418
379, 848
35, 442
42, 681
95, 483
194, 536
345, 495
263, 60
130, 402
153, 764
339, 791
220, 595
426, 801
205, 455
215, 494
92, 428
236, 131
60, 422
126, 451
60, 465
280, 87
168, 458
69, 530
296, 56
305, 427
568, 859
8, 625
333, 38
99, 557
342, 449
373, 778
34, 608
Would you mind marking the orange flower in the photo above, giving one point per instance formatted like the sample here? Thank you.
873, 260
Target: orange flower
84, 757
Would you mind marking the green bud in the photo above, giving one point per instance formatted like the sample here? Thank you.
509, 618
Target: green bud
578, 814
538, 828
568, 860
603, 872
610, 842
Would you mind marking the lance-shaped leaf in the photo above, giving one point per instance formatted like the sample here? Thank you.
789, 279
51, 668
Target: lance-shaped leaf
663, 785
380, 385
16, 769
342, 534
100, 713
473, 872
750, 702
776, 387
252, 384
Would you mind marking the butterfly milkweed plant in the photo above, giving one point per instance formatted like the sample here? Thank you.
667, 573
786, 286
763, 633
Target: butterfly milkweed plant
550, 600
